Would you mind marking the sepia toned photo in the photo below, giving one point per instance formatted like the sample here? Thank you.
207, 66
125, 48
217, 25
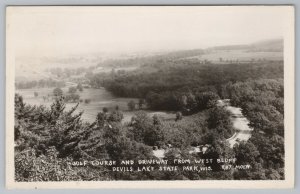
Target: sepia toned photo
150, 97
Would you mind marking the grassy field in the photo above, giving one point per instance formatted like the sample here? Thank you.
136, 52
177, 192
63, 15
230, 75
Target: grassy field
100, 98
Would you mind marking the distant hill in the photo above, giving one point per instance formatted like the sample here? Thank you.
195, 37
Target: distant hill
274, 45
268, 46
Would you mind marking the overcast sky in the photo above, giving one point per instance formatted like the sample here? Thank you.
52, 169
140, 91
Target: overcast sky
61, 30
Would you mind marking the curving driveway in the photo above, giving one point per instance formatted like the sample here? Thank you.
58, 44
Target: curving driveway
239, 122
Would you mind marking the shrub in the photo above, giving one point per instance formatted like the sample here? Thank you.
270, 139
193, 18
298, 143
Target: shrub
57, 92
79, 87
87, 101
72, 90
72, 97
131, 105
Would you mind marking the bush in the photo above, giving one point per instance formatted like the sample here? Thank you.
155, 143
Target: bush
87, 101
131, 105
72, 97
57, 92
72, 90
79, 87
104, 109
178, 116
49, 167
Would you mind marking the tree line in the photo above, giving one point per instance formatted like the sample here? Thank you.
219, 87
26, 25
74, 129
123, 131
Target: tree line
42, 83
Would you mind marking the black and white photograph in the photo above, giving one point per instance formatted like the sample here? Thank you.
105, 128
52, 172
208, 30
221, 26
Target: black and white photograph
116, 95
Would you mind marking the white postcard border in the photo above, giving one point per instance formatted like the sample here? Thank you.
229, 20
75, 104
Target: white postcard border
289, 122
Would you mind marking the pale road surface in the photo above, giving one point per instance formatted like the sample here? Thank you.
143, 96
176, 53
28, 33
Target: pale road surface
239, 122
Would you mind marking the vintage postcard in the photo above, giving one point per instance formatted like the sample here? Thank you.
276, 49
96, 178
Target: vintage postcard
150, 97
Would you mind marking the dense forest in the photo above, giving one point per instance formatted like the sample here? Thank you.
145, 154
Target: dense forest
184, 84
48, 139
